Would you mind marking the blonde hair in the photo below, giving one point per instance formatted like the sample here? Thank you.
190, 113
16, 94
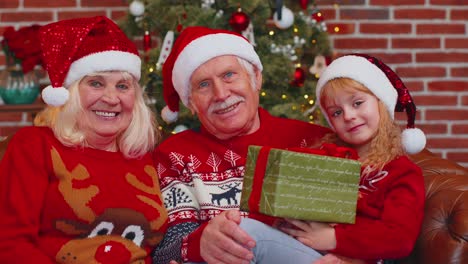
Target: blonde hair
386, 144
136, 140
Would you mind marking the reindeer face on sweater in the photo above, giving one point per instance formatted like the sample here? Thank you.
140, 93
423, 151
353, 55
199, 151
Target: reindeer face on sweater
113, 234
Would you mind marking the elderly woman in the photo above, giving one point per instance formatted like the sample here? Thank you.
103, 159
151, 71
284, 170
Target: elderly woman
83, 188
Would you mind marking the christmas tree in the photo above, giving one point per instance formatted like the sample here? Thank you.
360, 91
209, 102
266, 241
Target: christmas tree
289, 36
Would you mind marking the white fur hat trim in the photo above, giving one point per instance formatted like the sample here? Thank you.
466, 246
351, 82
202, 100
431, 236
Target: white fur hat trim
169, 116
55, 96
413, 140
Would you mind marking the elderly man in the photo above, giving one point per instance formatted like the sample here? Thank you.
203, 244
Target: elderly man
218, 76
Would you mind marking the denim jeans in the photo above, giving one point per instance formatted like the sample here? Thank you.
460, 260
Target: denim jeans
276, 247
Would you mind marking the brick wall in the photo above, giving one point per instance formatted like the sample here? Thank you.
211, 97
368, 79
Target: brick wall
425, 41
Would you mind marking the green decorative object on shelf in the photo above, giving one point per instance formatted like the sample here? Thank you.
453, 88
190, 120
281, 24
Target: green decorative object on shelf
17, 87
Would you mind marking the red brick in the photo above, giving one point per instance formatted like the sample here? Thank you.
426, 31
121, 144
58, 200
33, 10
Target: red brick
103, 3
432, 128
360, 43
458, 14
442, 57
26, 16
460, 129
459, 72
435, 100
448, 86
446, 114
449, 2
344, 28
440, 28
456, 43
118, 15
342, 3
396, 2
2, 59
414, 86
447, 143
387, 28
464, 100
390, 58
421, 71
414, 14
415, 43
8, 131
9, 3
328, 13
77, 14
402, 117
11, 116
55, 3
364, 14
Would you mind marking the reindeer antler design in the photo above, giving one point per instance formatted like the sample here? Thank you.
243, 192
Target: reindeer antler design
76, 198
153, 190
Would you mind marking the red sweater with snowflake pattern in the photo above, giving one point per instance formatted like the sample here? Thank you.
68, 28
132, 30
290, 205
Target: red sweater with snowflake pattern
201, 176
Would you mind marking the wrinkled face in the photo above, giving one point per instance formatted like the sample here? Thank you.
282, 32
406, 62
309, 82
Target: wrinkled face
354, 115
224, 99
107, 100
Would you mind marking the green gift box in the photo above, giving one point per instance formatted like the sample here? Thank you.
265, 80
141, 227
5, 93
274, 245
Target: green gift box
298, 185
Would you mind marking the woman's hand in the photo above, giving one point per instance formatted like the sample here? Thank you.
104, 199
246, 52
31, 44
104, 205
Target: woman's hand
223, 241
317, 235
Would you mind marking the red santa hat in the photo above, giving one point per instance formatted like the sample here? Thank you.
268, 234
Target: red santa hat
385, 85
193, 47
76, 47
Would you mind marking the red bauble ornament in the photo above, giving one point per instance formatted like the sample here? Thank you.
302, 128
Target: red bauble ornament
179, 27
304, 4
239, 21
299, 77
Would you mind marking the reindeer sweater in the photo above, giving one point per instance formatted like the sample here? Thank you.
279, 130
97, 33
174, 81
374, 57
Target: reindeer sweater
201, 176
62, 204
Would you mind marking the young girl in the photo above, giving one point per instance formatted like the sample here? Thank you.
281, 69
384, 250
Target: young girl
358, 95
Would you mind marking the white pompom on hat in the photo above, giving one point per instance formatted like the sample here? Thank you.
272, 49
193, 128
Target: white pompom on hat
74, 48
385, 84
193, 47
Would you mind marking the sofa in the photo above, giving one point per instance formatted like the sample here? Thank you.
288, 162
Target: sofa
444, 235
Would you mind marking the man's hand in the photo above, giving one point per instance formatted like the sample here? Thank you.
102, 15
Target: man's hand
223, 241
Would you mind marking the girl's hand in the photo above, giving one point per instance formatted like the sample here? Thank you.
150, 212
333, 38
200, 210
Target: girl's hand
317, 235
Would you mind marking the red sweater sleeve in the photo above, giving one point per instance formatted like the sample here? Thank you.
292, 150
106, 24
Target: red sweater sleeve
23, 184
394, 233
193, 240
